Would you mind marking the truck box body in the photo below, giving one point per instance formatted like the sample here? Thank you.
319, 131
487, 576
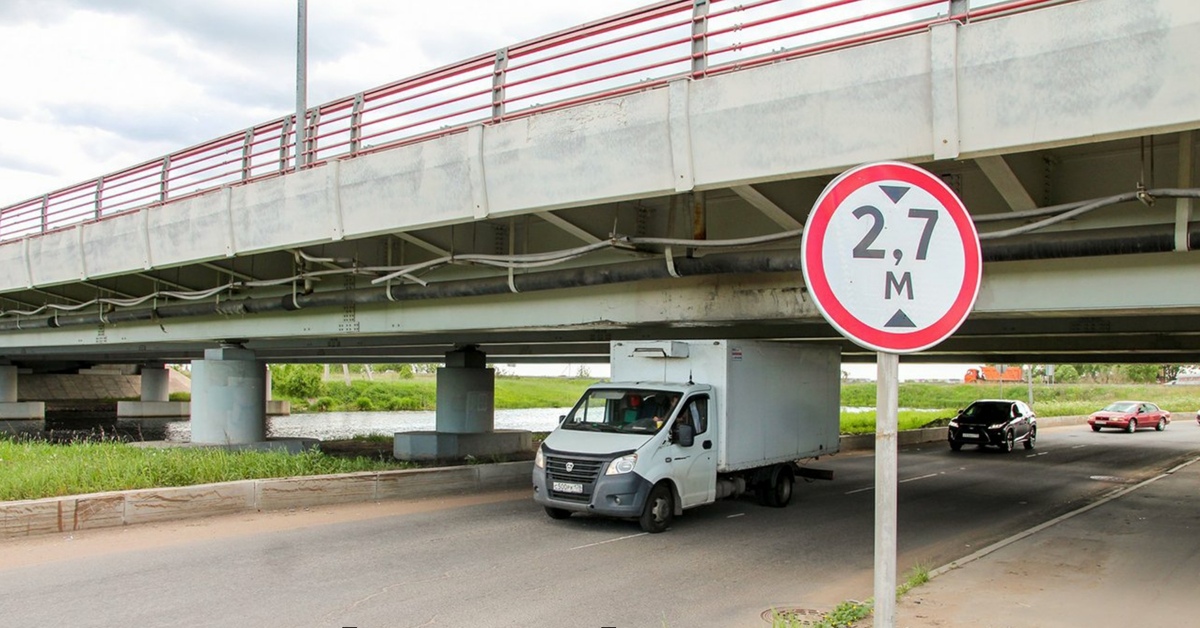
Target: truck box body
774, 402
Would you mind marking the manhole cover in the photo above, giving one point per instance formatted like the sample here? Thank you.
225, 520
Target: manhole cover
792, 616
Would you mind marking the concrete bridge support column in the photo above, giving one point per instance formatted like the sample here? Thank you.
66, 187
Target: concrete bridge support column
18, 416
155, 383
156, 397
228, 393
465, 415
8, 384
280, 407
466, 391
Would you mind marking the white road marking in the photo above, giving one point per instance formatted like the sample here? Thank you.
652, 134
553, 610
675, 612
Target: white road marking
620, 538
1079, 446
740, 514
1040, 453
872, 487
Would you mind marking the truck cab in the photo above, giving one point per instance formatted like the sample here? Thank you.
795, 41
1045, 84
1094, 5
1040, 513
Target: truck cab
620, 441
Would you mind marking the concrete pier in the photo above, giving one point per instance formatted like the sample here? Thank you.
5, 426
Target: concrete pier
465, 415
17, 416
228, 398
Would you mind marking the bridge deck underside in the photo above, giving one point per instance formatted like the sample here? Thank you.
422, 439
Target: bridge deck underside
400, 255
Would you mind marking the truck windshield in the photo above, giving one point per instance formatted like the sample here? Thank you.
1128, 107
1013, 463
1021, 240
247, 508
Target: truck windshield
631, 411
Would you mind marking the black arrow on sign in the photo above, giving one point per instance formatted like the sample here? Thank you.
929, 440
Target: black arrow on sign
894, 192
900, 319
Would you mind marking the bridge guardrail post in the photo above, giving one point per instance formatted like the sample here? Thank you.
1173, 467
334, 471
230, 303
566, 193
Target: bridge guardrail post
166, 174
700, 38
285, 131
312, 119
356, 123
99, 197
247, 151
499, 74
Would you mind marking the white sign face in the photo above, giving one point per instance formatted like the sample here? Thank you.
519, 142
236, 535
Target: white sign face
891, 257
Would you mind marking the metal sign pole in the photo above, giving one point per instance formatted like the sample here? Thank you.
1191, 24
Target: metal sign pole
886, 425
301, 79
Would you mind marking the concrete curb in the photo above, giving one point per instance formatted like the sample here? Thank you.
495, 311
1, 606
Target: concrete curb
121, 508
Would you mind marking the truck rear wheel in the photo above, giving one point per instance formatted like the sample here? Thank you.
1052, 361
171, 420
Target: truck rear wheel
779, 492
659, 511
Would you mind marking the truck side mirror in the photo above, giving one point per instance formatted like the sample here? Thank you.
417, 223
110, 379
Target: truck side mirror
685, 435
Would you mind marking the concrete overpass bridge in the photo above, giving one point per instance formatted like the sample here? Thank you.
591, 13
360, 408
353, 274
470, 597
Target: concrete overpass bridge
648, 176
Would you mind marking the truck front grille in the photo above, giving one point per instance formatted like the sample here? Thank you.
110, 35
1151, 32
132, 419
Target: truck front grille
573, 470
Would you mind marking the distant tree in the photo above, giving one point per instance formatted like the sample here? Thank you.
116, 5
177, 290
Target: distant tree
1141, 373
1066, 373
300, 381
1170, 372
583, 372
1097, 373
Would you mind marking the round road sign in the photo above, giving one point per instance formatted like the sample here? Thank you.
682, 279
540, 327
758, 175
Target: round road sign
891, 257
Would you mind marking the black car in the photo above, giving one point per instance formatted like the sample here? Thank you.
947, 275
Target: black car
999, 422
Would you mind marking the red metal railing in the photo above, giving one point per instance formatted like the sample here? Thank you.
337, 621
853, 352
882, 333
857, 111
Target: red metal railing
634, 51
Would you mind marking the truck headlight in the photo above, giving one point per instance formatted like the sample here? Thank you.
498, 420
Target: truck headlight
539, 460
624, 464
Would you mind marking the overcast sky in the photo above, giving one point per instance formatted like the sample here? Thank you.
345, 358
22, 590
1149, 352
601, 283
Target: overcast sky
88, 87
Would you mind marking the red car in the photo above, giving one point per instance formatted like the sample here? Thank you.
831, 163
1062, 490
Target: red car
1129, 416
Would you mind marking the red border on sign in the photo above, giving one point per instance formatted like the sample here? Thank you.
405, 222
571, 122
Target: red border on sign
818, 283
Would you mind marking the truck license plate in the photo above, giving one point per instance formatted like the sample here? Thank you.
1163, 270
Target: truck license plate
568, 487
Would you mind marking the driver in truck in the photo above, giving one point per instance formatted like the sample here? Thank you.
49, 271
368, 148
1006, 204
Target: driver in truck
665, 411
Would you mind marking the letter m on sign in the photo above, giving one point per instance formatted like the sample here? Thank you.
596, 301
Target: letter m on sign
904, 284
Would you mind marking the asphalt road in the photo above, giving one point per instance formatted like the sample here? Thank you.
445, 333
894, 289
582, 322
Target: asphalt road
497, 560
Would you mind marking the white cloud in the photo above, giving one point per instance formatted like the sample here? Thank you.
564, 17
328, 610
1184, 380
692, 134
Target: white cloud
106, 84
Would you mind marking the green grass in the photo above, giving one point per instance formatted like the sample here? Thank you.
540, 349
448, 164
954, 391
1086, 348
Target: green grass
864, 422
941, 401
1089, 397
915, 577
36, 469
848, 613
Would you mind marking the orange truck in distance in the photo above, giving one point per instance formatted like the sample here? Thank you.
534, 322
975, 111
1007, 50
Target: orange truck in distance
993, 374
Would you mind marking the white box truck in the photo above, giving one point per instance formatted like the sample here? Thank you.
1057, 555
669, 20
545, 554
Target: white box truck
684, 423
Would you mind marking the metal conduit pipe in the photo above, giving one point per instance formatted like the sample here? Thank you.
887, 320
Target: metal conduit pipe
1125, 241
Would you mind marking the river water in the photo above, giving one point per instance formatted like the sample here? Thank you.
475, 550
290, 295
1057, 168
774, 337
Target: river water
343, 425
319, 425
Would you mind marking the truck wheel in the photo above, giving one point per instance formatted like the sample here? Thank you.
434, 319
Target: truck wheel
557, 513
779, 491
659, 511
